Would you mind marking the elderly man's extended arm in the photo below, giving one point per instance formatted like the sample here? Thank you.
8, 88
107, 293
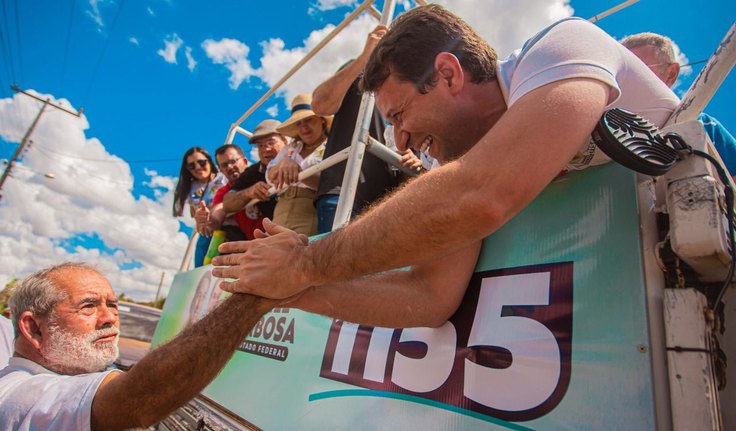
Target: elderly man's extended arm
174, 373
445, 209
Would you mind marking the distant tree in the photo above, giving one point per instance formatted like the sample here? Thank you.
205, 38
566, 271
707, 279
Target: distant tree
5, 295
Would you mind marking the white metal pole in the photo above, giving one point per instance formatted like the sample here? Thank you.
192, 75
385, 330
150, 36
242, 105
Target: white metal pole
186, 263
612, 10
708, 80
363, 6
321, 166
388, 155
357, 148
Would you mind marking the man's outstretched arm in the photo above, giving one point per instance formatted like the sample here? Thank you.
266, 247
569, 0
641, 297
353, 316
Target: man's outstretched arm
174, 373
427, 294
444, 209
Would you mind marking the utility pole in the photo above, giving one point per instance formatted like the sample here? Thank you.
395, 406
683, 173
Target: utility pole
158, 292
25, 141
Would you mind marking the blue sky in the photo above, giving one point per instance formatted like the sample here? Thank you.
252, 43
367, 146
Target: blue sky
159, 76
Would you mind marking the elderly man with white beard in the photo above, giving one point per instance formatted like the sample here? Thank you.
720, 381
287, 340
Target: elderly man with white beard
66, 325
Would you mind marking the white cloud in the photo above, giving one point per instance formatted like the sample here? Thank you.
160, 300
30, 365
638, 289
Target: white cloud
150, 11
134, 41
191, 62
172, 43
94, 12
506, 25
234, 55
325, 5
254, 154
91, 194
684, 71
497, 21
273, 110
277, 59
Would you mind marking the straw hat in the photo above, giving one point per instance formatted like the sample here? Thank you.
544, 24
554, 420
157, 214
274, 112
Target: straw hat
265, 128
301, 108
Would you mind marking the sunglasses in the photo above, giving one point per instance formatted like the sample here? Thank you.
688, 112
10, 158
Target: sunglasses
201, 162
229, 163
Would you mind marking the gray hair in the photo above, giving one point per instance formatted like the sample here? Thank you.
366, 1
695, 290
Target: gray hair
664, 47
39, 293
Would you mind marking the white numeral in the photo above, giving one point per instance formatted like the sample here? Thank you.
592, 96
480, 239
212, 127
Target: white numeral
535, 368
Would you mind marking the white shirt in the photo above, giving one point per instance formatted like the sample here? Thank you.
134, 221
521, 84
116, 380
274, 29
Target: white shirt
292, 150
575, 48
34, 398
6, 340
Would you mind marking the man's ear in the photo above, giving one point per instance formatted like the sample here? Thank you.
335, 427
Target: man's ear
30, 329
671, 74
449, 71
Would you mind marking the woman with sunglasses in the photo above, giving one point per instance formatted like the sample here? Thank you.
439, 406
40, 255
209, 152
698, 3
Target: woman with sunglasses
295, 208
198, 182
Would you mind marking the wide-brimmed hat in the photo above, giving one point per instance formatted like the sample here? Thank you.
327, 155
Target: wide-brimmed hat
301, 108
263, 129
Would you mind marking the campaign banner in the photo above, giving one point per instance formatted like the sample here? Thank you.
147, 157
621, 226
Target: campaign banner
551, 334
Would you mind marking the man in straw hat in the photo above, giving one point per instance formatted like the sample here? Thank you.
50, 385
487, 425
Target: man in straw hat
502, 131
295, 208
251, 184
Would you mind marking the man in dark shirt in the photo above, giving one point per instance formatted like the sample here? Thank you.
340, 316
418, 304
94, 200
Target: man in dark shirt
251, 184
339, 95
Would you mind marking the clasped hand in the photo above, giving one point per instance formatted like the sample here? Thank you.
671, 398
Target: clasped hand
270, 266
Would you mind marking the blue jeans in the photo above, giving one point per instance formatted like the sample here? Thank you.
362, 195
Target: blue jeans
326, 209
203, 243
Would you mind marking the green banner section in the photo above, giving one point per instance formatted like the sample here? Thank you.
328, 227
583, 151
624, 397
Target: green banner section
551, 334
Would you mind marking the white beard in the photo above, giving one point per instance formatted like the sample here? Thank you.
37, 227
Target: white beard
78, 353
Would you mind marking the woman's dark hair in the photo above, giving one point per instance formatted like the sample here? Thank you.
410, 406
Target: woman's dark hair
409, 49
185, 179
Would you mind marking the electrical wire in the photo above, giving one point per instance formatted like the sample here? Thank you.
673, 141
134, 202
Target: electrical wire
104, 49
677, 141
66, 47
49, 152
18, 42
7, 45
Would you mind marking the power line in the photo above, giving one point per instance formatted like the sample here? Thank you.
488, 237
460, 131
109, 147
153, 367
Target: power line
25, 141
49, 151
17, 41
66, 47
7, 44
104, 49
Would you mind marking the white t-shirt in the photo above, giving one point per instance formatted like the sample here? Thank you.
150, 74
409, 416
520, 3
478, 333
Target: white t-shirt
575, 48
34, 398
6, 340
292, 150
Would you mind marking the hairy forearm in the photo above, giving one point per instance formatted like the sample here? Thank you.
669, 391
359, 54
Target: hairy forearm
174, 373
328, 96
234, 201
390, 300
386, 228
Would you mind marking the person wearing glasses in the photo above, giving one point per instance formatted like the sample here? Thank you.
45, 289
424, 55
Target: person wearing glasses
658, 53
198, 182
232, 162
251, 184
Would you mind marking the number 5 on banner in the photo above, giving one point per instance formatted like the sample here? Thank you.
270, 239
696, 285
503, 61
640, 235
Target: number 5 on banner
535, 368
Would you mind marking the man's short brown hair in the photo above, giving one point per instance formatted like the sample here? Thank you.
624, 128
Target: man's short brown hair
409, 48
